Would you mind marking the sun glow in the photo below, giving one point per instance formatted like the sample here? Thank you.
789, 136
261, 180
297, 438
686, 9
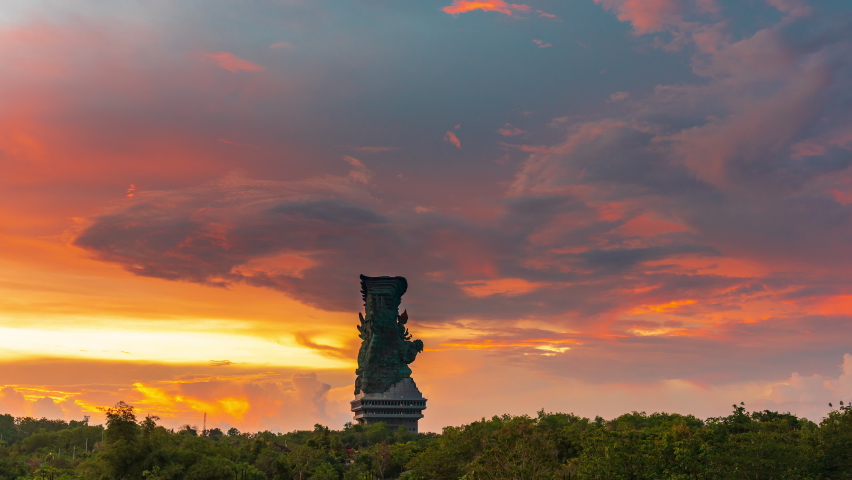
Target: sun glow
159, 346
663, 307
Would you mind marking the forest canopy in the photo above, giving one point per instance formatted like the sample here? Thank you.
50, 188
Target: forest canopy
742, 445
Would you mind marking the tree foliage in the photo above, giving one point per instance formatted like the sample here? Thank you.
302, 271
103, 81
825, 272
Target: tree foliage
635, 446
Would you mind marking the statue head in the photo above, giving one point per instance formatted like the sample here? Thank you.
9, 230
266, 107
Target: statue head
382, 293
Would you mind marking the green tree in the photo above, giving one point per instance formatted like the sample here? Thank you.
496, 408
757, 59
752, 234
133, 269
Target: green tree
8, 429
121, 452
324, 471
517, 449
835, 443
212, 468
274, 465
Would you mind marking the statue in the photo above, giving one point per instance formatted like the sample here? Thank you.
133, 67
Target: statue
386, 346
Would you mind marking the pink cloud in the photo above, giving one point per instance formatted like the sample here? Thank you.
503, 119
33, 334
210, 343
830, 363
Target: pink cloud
282, 45
375, 149
796, 8
510, 131
360, 174
841, 197
708, 6
452, 138
233, 63
769, 146
542, 44
619, 96
806, 149
530, 148
647, 16
353, 161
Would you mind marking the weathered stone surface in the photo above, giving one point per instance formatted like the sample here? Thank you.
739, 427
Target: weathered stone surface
401, 405
386, 346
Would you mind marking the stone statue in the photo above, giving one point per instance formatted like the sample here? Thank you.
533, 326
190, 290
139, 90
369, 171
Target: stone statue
386, 346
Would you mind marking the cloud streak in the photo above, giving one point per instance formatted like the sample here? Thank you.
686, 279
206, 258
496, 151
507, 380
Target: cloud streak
462, 6
500, 6
233, 63
451, 138
510, 131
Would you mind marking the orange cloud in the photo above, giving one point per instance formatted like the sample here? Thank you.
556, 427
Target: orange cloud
233, 63
502, 286
461, 6
249, 399
255, 401
548, 346
19, 142
305, 340
19, 401
835, 305
663, 308
452, 138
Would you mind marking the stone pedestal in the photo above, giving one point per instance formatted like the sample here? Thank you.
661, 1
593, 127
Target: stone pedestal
401, 405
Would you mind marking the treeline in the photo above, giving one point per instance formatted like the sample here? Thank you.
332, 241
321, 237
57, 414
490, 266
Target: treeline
742, 445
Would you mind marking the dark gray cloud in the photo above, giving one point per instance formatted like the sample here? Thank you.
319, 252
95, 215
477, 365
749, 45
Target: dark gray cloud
725, 191
758, 176
222, 233
615, 260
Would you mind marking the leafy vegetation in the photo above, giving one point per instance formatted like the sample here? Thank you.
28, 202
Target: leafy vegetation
634, 446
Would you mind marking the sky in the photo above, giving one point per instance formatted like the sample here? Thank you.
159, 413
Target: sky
600, 206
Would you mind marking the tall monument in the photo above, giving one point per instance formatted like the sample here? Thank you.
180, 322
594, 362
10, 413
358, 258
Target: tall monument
384, 389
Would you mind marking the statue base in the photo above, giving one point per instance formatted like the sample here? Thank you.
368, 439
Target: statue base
401, 405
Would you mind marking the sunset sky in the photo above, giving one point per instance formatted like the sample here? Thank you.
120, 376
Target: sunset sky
600, 205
